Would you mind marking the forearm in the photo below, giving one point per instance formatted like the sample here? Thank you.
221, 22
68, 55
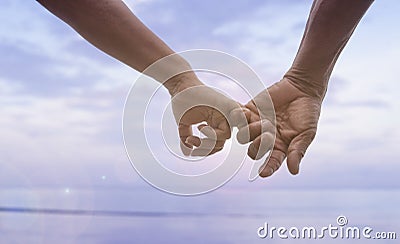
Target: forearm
329, 27
113, 28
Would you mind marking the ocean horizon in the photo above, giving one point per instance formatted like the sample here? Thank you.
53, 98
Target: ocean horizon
147, 215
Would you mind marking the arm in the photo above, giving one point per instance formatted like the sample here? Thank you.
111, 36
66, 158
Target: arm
329, 27
113, 28
298, 96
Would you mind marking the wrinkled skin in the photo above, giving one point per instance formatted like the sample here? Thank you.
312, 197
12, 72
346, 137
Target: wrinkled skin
297, 117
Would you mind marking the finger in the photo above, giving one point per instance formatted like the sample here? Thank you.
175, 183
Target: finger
208, 142
293, 161
253, 130
273, 163
297, 149
213, 142
260, 146
184, 132
240, 117
193, 141
222, 132
200, 152
208, 131
208, 147
186, 150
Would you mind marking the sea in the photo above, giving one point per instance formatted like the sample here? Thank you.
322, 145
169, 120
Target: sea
226, 215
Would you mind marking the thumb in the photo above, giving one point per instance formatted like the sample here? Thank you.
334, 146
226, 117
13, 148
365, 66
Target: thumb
297, 149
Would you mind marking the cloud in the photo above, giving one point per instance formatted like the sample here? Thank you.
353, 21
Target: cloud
268, 37
61, 99
47, 58
379, 104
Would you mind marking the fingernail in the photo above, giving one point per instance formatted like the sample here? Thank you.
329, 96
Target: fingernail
266, 172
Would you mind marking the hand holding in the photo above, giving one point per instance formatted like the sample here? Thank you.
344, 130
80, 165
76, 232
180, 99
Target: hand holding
193, 103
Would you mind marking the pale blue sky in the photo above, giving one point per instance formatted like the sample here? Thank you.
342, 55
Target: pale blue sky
61, 100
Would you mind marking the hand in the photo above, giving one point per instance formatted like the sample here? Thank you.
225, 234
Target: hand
297, 117
193, 103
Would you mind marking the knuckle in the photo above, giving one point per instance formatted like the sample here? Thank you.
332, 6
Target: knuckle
274, 164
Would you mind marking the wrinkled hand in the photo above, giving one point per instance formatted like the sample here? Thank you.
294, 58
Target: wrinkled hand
297, 117
193, 103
